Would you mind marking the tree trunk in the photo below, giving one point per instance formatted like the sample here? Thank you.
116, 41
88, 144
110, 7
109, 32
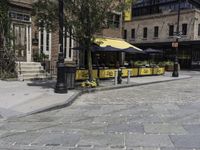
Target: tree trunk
89, 58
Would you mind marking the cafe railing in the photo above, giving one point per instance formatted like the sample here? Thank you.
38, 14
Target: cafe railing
82, 74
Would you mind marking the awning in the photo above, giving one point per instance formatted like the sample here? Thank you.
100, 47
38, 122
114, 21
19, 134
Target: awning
112, 44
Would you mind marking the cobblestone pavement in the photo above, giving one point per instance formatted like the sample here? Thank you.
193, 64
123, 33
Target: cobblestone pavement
164, 116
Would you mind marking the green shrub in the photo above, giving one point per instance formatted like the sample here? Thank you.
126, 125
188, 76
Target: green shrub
140, 63
39, 57
166, 63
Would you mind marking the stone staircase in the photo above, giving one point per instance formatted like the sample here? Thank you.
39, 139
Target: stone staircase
31, 71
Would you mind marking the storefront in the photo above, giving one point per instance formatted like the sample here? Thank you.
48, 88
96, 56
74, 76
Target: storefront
106, 59
188, 53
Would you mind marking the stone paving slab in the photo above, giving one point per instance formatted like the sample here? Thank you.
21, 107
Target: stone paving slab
102, 140
149, 140
55, 139
186, 141
164, 129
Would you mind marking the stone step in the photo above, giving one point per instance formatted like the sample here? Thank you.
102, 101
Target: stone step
29, 76
30, 66
27, 63
33, 78
34, 71
30, 70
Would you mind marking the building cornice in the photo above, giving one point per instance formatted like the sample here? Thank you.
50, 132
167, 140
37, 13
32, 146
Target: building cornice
20, 4
174, 13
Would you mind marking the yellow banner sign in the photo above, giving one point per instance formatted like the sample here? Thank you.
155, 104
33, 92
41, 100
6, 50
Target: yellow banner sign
158, 71
83, 74
134, 72
128, 11
108, 73
145, 71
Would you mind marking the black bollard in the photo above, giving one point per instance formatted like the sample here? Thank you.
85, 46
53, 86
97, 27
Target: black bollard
119, 77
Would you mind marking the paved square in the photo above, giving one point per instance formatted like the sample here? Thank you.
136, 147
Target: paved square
163, 116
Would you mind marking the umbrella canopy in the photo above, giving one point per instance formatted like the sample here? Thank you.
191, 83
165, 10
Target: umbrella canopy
151, 50
133, 50
115, 45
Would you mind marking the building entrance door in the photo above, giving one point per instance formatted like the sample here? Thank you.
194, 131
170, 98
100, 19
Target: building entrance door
20, 41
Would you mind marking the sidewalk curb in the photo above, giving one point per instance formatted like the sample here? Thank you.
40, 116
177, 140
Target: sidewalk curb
84, 91
68, 102
129, 85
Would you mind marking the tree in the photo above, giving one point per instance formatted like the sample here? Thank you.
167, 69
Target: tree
4, 22
7, 56
84, 18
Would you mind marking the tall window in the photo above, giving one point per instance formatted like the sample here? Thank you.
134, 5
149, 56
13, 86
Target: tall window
199, 30
1, 41
113, 20
45, 41
41, 40
68, 44
171, 30
184, 29
125, 34
156, 31
133, 33
144, 33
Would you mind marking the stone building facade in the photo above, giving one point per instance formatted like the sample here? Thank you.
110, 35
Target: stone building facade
156, 28
30, 41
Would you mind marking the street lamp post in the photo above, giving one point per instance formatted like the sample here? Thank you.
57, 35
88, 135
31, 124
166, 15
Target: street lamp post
61, 86
175, 71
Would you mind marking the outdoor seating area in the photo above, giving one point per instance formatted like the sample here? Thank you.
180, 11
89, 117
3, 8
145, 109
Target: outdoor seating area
82, 74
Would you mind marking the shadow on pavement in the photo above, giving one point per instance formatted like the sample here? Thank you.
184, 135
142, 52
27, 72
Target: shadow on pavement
46, 84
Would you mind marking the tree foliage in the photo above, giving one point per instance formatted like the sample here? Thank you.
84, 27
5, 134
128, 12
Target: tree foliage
46, 12
7, 56
4, 21
84, 17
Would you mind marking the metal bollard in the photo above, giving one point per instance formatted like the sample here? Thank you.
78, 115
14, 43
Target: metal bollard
129, 76
119, 77
116, 75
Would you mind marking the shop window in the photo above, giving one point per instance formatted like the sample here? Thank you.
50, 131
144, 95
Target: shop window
184, 29
144, 33
125, 34
68, 44
156, 31
133, 33
171, 30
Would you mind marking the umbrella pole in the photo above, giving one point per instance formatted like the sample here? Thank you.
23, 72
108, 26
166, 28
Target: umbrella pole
149, 59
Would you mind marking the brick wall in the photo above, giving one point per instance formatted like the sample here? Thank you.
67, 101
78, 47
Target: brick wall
113, 33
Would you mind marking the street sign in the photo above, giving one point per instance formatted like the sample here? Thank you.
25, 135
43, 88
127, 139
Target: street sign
175, 44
